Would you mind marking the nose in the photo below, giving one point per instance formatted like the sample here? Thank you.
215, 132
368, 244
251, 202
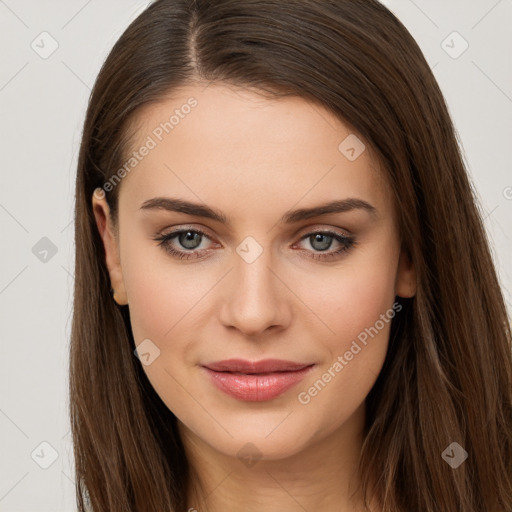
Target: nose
255, 299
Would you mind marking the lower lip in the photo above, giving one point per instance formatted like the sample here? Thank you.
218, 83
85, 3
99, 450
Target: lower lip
256, 387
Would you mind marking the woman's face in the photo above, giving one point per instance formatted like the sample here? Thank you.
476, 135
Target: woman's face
266, 277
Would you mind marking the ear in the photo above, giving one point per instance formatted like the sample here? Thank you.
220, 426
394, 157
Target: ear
106, 230
405, 284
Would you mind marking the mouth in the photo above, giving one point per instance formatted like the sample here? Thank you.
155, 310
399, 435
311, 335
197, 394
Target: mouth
256, 381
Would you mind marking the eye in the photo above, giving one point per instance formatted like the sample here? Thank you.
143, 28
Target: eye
189, 239
321, 241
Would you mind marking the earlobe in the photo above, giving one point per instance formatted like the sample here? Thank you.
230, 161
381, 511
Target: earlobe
105, 227
405, 285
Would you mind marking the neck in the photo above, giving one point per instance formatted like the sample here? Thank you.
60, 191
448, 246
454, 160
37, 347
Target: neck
323, 477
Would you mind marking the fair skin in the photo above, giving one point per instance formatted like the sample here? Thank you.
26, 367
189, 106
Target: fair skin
254, 159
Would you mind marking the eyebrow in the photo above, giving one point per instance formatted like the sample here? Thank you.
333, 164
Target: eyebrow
290, 217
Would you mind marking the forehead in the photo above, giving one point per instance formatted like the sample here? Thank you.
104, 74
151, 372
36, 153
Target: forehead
210, 142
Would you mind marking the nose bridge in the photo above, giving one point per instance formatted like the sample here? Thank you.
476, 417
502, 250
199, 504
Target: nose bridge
255, 297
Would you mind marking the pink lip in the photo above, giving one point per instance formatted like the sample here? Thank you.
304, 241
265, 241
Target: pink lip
256, 381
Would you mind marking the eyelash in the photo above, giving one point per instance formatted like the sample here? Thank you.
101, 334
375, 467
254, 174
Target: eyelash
347, 243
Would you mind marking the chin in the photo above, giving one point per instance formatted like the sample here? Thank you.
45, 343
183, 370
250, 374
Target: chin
258, 440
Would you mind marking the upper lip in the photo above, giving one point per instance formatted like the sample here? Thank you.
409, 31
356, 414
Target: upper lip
250, 367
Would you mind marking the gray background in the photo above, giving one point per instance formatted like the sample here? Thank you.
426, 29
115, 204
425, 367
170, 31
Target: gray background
42, 104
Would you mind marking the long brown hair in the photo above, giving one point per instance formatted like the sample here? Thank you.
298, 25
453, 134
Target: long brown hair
447, 376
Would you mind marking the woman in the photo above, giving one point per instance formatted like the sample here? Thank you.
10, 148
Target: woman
284, 295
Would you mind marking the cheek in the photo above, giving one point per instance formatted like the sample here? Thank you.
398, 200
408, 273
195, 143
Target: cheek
359, 306
161, 292
351, 297
164, 300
